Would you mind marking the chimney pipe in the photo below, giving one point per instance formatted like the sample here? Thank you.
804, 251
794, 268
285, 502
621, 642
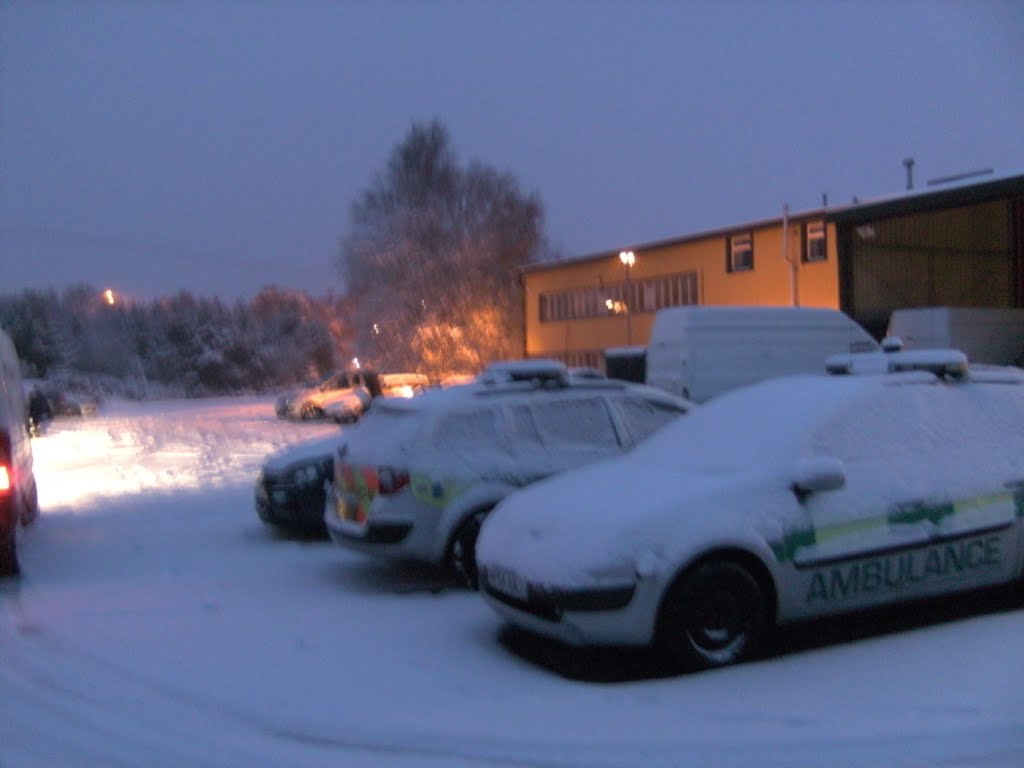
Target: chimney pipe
908, 163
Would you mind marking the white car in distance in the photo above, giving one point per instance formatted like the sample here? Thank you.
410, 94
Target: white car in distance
416, 477
792, 499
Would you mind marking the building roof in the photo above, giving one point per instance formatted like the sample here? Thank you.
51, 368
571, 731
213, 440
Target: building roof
952, 192
949, 192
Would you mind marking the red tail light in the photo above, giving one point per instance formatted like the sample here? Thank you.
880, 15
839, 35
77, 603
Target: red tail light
5, 459
391, 480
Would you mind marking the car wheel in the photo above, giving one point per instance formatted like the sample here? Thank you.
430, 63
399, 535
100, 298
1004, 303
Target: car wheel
310, 412
9, 551
462, 553
713, 616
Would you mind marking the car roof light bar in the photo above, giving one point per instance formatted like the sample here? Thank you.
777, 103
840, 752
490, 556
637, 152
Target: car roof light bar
946, 363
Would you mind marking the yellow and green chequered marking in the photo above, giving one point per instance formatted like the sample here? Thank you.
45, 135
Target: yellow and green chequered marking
786, 548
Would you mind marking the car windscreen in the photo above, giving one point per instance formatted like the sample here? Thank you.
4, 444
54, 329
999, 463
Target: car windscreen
756, 426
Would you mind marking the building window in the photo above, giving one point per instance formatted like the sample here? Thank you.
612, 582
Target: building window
814, 241
740, 253
648, 295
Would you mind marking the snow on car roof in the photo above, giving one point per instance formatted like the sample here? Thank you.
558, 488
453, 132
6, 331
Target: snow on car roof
945, 362
754, 425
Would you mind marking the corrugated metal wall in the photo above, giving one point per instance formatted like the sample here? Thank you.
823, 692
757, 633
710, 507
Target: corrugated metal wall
957, 257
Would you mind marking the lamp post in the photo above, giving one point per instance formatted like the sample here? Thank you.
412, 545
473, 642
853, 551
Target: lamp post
628, 259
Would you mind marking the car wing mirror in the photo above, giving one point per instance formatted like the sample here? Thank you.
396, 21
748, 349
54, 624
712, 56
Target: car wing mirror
820, 473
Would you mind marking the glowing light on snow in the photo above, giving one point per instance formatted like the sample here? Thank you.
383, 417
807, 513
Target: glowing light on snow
157, 448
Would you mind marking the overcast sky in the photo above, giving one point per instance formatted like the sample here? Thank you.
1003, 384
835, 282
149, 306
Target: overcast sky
217, 146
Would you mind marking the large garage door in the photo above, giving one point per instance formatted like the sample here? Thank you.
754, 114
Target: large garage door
955, 257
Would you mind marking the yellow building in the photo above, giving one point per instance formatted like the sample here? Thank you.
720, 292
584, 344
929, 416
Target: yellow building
958, 246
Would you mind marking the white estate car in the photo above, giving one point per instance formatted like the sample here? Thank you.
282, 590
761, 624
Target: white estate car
415, 478
795, 498
346, 392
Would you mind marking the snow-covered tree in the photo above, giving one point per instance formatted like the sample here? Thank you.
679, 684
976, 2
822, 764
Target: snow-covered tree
432, 257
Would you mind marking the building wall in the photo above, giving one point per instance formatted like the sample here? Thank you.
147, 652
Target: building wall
961, 246
579, 340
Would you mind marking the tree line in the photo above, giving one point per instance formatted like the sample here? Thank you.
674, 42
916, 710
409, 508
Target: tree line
181, 344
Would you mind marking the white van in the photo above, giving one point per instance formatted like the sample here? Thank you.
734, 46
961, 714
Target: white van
18, 502
700, 352
986, 335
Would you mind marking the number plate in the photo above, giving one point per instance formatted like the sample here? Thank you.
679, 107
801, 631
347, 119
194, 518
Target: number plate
508, 582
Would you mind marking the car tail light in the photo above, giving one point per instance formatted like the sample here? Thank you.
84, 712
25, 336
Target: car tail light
391, 480
5, 469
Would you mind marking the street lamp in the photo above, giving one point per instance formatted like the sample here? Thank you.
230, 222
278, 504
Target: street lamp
628, 259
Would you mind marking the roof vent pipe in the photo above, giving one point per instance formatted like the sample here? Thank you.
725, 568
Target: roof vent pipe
908, 163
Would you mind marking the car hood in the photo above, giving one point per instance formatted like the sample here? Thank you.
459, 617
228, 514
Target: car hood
308, 451
607, 521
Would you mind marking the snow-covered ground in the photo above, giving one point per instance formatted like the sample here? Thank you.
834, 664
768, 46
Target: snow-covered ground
160, 624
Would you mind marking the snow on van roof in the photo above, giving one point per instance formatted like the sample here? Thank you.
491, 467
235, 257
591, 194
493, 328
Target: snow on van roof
715, 315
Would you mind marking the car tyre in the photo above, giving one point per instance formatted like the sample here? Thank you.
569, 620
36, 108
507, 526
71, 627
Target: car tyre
311, 412
9, 551
462, 552
713, 616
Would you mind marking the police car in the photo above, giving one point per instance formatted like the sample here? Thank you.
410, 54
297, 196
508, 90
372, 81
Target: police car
416, 477
796, 498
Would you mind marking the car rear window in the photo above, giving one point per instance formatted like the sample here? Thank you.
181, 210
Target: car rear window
388, 427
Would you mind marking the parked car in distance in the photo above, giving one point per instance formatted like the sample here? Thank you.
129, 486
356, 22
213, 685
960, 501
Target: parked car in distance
343, 406
19, 504
40, 409
290, 486
793, 499
415, 479
310, 403
347, 406
403, 384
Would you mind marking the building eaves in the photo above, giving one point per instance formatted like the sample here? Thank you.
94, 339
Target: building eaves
749, 226
929, 199
966, 192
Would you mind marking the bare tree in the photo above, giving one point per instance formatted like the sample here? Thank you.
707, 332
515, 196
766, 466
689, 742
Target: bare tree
432, 257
